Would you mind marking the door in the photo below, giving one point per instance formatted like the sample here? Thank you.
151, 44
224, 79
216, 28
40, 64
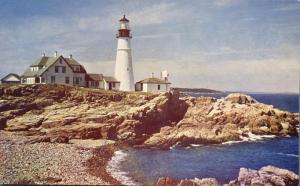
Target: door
109, 86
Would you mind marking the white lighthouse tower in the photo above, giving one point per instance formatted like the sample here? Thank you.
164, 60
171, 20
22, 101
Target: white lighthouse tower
123, 67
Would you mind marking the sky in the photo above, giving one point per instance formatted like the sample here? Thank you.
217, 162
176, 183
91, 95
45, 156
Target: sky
230, 45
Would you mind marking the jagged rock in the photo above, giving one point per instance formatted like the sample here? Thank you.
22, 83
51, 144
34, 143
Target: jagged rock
266, 176
288, 177
59, 122
50, 179
246, 175
240, 99
209, 120
39, 140
59, 139
166, 181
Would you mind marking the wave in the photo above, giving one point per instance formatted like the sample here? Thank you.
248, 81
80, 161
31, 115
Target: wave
231, 142
249, 137
114, 169
291, 155
254, 137
196, 145
175, 145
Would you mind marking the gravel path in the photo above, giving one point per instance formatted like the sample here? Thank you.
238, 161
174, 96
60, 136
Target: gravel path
43, 163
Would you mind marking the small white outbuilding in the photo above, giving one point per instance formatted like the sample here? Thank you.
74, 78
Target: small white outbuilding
154, 84
11, 79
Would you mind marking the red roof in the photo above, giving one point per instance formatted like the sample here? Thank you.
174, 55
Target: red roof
124, 19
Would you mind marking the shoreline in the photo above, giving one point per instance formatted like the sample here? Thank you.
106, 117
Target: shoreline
26, 160
133, 175
98, 163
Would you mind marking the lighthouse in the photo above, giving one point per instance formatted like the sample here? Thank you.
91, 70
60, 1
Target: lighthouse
123, 66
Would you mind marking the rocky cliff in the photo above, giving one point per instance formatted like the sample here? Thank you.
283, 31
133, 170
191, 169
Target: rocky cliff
236, 117
57, 113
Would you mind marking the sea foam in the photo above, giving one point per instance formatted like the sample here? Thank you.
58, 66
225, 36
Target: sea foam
249, 137
291, 155
114, 169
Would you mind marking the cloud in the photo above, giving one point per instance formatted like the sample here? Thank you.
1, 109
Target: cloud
156, 14
153, 14
226, 45
288, 7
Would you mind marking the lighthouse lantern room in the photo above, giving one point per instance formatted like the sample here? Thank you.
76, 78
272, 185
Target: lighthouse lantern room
123, 66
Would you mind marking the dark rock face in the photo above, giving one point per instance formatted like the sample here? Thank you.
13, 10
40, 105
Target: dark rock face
2, 123
268, 175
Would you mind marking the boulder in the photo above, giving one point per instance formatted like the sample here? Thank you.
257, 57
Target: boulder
266, 176
166, 181
59, 139
240, 98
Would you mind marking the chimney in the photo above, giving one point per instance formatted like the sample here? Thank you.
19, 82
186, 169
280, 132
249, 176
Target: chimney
71, 57
55, 54
152, 75
164, 75
44, 54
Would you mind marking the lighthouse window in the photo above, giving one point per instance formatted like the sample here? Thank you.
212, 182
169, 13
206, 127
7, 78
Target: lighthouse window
158, 87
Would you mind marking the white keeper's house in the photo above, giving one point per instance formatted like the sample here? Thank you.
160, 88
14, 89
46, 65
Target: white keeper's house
56, 69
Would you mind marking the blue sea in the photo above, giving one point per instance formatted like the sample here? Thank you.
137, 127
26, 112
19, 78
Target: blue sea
221, 161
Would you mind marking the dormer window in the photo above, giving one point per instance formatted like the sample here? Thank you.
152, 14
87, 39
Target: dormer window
34, 69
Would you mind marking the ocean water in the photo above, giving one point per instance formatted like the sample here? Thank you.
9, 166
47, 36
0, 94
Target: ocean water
221, 161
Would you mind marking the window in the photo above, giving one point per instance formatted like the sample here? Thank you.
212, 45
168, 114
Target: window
43, 80
63, 69
56, 69
76, 80
34, 69
158, 87
67, 80
52, 79
114, 84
